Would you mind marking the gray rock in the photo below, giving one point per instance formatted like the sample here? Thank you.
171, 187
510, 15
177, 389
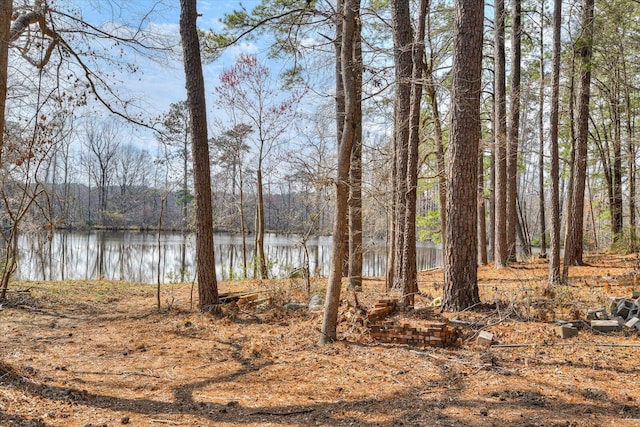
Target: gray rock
293, 306
316, 303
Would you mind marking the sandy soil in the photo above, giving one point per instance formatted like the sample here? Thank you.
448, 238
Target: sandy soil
100, 354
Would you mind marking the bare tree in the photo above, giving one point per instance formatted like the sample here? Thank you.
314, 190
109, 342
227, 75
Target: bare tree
5, 22
131, 166
245, 91
102, 143
349, 79
48, 34
26, 154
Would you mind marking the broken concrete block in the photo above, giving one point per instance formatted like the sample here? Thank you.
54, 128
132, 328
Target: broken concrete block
613, 305
624, 308
566, 331
605, 325
634, 322
599, 314
485, 338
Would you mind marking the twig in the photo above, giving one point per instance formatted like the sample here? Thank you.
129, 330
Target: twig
175, 423
284, 414
230, 399
251, 315
578, 344
461, 322
142, 374
444, 359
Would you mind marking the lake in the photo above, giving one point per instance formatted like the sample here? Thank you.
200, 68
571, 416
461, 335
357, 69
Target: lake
141, 256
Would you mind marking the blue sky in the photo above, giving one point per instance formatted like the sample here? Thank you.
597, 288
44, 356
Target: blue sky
158, 84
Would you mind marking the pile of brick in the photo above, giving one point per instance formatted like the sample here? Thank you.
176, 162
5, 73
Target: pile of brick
430, 334
382, 309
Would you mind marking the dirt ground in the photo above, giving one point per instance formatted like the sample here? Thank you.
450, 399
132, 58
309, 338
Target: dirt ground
100, 354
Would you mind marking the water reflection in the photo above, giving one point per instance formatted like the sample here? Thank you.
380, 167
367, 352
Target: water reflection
145, 257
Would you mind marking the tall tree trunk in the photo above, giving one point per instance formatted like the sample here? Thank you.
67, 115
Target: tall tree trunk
500, 133
185, 182
5, 23
575, 225
461, 268
482, 223
541, 186
631, 154
330, 318
431, 91
554, 258
492, 194
616, 205
205, 260
260, 260
572, 152
402, 42
243, 226
409, 271
522, 230
514, 127
392, 229
355, 174
340, 107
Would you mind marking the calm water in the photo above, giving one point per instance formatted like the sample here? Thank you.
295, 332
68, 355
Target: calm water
137, 257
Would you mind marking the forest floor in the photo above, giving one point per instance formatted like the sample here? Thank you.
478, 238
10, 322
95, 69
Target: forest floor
99, 353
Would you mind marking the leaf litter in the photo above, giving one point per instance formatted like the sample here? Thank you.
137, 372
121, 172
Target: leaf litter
98, 353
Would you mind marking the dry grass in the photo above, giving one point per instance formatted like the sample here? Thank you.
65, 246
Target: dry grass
99, 353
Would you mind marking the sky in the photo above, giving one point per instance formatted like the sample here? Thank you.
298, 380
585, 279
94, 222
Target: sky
157, 84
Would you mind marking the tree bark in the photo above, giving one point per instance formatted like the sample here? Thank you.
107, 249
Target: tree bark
260, 267
616, 205
332, 302
402, 41
541, 186
492, 195
514, 127
482, 222
631, 155
205, 260
340, 109
554, 259
355, 174
461, 252
575, 226
5, 23
409, 270
500, 133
